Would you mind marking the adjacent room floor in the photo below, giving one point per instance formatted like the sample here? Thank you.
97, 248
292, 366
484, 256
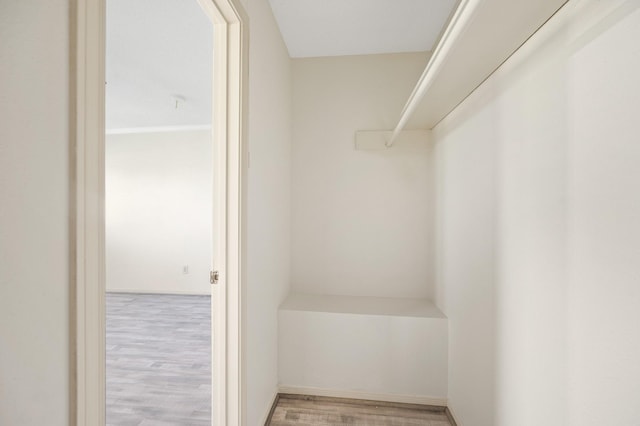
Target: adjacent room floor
158, 360
318, 411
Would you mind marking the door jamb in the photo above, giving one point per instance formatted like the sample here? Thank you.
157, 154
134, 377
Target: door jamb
88, 242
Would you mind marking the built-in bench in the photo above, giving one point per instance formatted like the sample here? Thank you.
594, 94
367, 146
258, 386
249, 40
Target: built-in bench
375, 348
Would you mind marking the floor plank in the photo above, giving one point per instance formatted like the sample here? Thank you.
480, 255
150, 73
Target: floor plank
317, 411
158, 360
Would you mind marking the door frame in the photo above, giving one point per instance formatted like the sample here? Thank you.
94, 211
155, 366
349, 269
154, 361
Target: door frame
87, 130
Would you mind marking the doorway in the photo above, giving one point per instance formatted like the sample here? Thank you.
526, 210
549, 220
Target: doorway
230, 51
158, 212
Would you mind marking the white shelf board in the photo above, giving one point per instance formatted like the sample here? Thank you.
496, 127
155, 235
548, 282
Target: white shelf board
386, 306
496, 30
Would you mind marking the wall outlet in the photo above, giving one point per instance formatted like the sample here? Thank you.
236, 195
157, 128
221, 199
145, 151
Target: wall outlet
185, 269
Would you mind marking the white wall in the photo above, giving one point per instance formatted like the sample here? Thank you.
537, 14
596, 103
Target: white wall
538, 229
34, 213
604, 223
465, 262
268, 232
358, 218
158, 211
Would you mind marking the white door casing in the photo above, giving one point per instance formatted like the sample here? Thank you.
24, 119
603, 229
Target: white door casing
88, 222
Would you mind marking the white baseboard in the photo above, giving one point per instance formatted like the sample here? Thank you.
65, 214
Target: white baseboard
145, 291
391, 397
453, 416
273, 401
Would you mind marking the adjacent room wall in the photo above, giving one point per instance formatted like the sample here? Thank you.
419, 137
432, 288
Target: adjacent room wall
361, 220
35, 290
268, 233
159, 195
539, 230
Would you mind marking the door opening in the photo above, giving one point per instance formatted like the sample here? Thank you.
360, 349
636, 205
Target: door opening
158, 209
229, 86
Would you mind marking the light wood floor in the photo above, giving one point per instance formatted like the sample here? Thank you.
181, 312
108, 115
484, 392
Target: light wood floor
158, 360
318, 411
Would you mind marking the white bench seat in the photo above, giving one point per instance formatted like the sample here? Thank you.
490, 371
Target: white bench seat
363, 347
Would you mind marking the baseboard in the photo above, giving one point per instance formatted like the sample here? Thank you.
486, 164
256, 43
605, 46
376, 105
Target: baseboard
144, 291
451, 417
267, 417
383, 397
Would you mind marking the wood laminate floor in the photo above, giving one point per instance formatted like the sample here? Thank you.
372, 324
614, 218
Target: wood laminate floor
317, 411
158, 360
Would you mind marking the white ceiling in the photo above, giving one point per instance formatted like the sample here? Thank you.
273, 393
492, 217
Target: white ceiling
157, 49
358, 27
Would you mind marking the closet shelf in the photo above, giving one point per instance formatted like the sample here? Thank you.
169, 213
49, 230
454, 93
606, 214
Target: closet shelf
480, 36
363, 347
358, 305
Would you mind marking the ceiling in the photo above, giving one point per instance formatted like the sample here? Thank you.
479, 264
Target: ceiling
359, 27
157, 49
160, 49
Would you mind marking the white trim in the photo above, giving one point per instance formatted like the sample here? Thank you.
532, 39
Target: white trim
157, 129
371, 396
265, 417
87, 108
231, 51
453, 414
